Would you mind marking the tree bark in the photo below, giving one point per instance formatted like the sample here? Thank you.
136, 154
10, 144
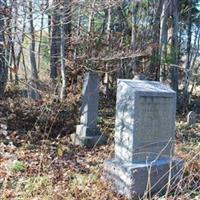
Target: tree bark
33, 90
91, 18
163, 39
134, 33
106, 76
34, 74
187, 67
189, 34
153, 72
40, 38
65, 42
175, 46
62, 57
3, 68
8, 49
55, 42
16, 67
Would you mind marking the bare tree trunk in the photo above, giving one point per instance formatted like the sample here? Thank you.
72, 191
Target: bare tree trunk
55, 42
12, 37
40, 38
163, 39
34, 94
194, 69
91, 18
8, 49
106, 76
153, 72
20, 55
25, 68
3, 68
34, 74
77, 31
62, 56
187, 68
21, 41
49, 20
189, 34
134, 33
65, 42
16, 67
67, 25
175, 46
10, 63
134, 23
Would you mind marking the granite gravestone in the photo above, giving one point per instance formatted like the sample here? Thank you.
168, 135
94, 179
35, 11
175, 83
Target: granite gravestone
87, 133
144, 136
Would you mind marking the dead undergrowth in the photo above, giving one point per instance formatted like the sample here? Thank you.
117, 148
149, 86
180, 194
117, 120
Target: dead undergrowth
38, 160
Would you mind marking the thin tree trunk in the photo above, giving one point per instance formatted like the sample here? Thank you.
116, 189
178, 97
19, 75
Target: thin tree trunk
175, 46
62, 57
134, 33
34, 74
193, 61
40, 39
8, 50
49, 20
55, 42
189, 35
67, 26
77, 32
153, 72
16, 67
187, 68
3, 68
163, 39
21, 42
10, 60
106, 77
33, 90
134, 23
25, 68
91, 18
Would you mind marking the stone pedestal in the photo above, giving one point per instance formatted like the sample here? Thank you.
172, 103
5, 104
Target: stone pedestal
144, 139
137, 180
87, 133
88, 137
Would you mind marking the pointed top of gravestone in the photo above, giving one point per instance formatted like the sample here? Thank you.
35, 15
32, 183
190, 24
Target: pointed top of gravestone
144, 86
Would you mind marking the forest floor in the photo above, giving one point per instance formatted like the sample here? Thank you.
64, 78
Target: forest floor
38, 160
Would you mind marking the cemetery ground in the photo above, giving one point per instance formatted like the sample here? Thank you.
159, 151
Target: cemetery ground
39, 161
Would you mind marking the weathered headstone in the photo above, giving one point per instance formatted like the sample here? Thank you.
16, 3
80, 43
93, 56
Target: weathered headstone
191, 118
3, 127
87, 133
33, 91
144, 136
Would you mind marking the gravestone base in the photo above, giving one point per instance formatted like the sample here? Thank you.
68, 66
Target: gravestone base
88, 137
139, 179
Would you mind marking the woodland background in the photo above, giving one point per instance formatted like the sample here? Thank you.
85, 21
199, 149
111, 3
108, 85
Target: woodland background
46, 46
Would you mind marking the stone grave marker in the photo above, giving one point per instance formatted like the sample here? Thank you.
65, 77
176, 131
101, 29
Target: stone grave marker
191, 118
144, 137
87, 133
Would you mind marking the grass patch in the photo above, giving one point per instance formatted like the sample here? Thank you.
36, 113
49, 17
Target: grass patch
18, 167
